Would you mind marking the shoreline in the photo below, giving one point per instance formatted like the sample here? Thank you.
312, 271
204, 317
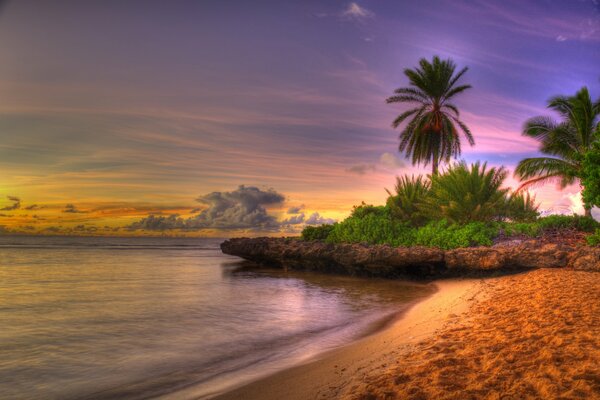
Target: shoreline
328, 374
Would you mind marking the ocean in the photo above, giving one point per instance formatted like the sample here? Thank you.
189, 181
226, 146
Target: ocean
172, 318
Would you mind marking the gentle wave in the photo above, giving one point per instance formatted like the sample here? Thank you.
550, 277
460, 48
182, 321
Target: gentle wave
81, 320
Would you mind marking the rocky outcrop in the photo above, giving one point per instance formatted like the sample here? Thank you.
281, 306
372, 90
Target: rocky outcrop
388, 261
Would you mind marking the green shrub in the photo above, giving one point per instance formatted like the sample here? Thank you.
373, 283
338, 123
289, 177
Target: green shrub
465, 194
591, 173
317, 232
446, 236
577, 222
522, 207
373, 228
530, 229
365, 210
594, 238
551, 223
405, 205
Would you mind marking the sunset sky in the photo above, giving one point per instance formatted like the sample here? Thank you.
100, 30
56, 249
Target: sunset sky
227, 117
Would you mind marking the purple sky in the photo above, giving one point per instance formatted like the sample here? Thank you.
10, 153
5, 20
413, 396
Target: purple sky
132, 108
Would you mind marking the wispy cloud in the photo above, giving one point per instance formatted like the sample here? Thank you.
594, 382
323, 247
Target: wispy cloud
72, 209
356, 12
15, 206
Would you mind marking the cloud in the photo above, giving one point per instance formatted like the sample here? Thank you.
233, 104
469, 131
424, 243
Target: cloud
569, 203
33, 207
391, 161
70, 208
85, 229
361, 169
560, 38
15, 206
242, 208
316, 219
294, 220
356, 12
295, 210
388, 161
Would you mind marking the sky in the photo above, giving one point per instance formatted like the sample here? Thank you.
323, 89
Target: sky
218, 118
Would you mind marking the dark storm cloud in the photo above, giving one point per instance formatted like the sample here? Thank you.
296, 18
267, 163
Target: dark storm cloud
243, 208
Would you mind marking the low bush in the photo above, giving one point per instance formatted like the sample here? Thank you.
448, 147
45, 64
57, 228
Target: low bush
450, 236
594, 238
576, 222
373, 228
551, 223
317, 232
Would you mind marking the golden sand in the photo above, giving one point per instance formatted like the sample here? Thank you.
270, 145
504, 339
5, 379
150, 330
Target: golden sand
532, 336
529, 336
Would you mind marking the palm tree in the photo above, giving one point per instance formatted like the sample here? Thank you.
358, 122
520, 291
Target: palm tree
565, 142
431, 134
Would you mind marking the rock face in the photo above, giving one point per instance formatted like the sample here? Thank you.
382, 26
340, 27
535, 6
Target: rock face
389, 262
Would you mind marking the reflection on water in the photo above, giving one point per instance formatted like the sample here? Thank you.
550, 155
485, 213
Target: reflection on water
97, 318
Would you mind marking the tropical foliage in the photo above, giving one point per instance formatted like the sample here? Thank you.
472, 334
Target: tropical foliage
521, 206
591, 174
465, 194
320, 232
431, 134
565, 142
406, 204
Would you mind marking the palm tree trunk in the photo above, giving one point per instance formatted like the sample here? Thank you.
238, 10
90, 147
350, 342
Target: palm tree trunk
435, 161
588, 211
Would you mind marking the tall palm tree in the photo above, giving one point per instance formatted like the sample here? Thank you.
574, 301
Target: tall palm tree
565, 142
431, 134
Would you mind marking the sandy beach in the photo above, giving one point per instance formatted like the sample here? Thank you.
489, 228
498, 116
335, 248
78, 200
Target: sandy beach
527, 336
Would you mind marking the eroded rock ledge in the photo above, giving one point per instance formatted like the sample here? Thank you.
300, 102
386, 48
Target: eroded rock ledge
389, 262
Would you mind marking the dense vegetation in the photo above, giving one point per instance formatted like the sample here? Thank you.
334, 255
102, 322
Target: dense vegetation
591, 173
566, 143
462, 207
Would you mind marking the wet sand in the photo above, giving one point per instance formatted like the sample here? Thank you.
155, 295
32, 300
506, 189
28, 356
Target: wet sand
528, 336
334, 372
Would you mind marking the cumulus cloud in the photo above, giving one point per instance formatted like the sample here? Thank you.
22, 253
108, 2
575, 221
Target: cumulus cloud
387, 161
316, 219
294, 220
15, 206
391, 161
356, 12
70, 208
243, 208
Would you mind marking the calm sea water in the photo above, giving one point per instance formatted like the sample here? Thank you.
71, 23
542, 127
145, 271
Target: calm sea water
104, 318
